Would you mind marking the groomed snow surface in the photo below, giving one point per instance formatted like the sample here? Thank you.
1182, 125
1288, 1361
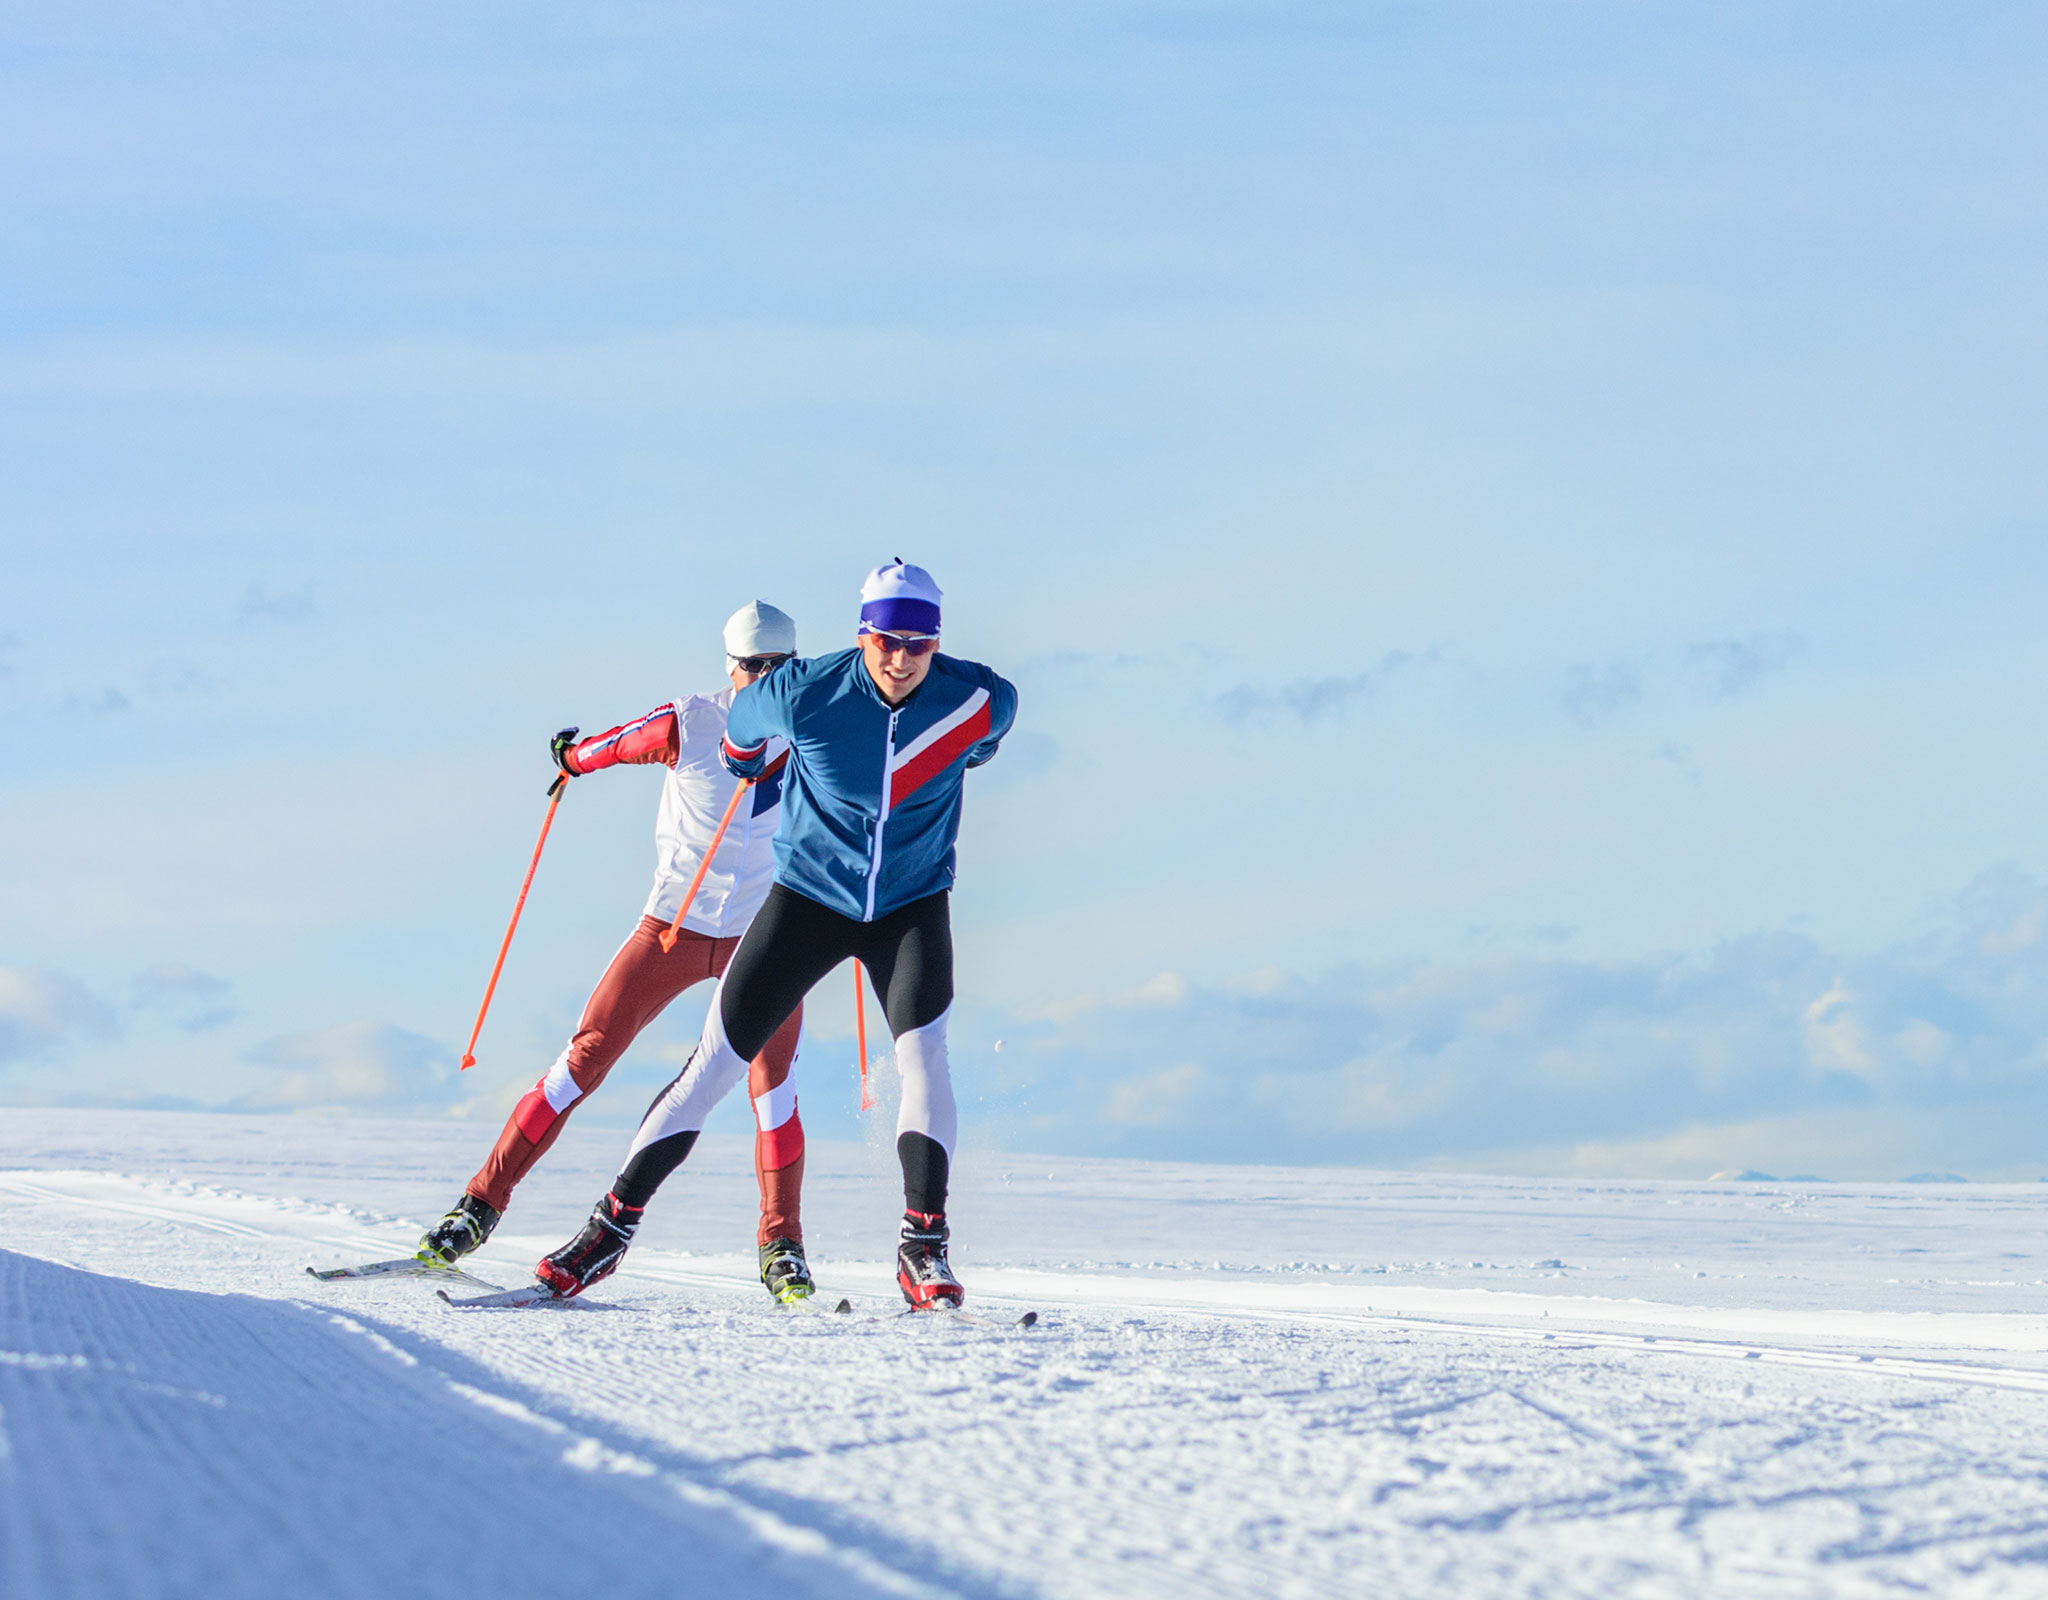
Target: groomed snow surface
1246, 1381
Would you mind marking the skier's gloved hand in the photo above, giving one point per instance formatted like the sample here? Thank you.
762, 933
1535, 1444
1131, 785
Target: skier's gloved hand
560, 746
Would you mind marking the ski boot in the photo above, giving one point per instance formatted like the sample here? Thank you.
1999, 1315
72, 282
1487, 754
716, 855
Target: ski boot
594, 1252
458, 1233
921, 1270
785, 1271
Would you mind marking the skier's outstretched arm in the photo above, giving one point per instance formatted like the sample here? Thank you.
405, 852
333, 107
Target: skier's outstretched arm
645, 741
760, 712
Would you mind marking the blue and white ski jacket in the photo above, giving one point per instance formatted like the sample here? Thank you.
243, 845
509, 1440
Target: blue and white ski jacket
871, 795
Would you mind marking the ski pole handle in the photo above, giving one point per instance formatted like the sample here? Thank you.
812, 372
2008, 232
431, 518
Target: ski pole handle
554, 799
668, 939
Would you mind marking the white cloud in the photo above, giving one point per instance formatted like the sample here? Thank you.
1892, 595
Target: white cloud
1834, 1034
1764, 1052
41, 1010
1154, 1099
197, 1001
352, 1065
1161, 989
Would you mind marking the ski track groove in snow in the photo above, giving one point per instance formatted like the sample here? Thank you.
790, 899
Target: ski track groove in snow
1167, 1435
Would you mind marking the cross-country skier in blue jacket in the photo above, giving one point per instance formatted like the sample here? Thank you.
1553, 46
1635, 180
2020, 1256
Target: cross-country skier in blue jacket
880, 738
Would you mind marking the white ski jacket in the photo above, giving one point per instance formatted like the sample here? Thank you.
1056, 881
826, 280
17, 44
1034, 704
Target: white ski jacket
685, 736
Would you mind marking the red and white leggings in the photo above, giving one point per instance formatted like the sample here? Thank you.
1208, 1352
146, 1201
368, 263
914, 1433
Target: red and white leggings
635, 989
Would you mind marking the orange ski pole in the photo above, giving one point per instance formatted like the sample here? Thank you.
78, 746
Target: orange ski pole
554, 799
860, 1033
668, 939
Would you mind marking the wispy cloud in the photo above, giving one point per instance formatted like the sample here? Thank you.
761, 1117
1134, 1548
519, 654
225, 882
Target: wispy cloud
1595, 691
352, 1066
1726, 668
177, 678
41, 1010
107, 702
1310, 698
1718, 669
1025, 755
1521, 1060
1679, 756
196, 1001
262, 603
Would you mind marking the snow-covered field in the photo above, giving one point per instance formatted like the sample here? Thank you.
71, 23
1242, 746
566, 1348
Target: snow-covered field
1246, 1381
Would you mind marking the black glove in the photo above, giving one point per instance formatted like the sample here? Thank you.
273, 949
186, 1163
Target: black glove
560, 746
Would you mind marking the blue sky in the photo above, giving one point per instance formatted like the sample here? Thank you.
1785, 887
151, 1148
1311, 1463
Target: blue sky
1517, 529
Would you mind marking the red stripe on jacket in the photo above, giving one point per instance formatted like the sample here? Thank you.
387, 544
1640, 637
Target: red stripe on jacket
940, 754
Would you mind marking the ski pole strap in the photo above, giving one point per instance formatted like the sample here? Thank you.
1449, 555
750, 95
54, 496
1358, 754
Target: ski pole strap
554, 799
668, 939
860, 1033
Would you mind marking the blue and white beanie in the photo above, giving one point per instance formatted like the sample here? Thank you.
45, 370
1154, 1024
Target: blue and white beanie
899, 599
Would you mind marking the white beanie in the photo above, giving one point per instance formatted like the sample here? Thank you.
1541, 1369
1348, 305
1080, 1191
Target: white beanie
899, 598
758, 629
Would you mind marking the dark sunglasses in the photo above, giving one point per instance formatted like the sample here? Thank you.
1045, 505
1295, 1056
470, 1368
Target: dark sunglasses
911, 644
757, 664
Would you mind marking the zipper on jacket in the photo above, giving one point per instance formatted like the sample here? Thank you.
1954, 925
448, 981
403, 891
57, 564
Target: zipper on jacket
882, 816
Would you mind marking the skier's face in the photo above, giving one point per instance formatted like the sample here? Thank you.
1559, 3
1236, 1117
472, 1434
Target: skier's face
896, 672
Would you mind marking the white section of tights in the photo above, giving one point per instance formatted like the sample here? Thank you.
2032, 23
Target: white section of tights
927, 1105
777, 1106
561, 1090
713, 1070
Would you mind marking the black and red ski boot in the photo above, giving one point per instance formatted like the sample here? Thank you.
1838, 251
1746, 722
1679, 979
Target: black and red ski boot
594, 1252
926, 1280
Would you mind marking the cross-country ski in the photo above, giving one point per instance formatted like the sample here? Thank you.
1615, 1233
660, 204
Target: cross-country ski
951, 1313
399, 1267
527, 1294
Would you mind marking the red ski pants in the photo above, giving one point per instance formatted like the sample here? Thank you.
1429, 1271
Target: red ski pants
634, 990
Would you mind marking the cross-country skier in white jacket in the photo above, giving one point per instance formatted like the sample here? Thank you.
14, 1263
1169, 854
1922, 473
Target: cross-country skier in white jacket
685, 736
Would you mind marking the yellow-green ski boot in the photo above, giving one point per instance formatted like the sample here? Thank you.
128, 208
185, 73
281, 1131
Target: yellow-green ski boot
456, 1234
785, 1271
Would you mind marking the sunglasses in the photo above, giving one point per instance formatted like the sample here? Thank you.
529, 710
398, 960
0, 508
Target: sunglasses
757, 664
911, 644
